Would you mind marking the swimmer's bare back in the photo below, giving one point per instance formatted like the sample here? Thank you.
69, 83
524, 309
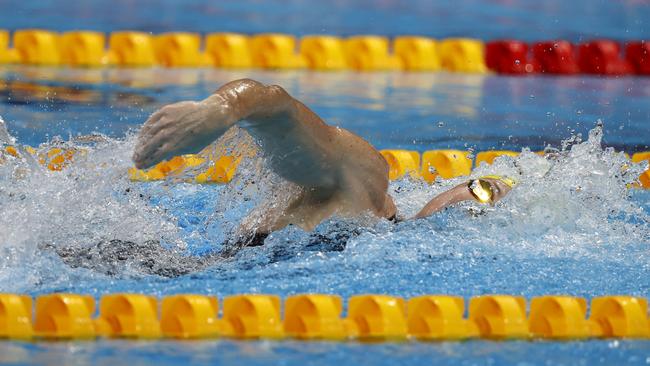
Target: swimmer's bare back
339, 172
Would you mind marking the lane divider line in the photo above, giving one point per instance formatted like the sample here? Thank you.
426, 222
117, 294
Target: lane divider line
210, 168
370, 317
323, 52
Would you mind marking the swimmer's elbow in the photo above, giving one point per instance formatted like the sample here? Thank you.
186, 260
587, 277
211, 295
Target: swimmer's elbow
278, 97
239, 86
276, 90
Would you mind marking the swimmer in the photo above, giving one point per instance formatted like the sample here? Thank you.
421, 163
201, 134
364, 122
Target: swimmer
339, 172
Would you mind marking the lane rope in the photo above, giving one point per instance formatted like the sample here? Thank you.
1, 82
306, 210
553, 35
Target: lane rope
429, 165
322, 52
318, 316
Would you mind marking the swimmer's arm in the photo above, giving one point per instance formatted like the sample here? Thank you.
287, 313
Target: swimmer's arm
187, 127
462, 193
457, 194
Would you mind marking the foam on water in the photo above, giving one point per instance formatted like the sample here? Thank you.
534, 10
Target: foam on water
572, 199
572, 205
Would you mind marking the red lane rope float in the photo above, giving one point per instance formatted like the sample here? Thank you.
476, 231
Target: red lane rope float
510, 57
602, 57
638, 55
560, 57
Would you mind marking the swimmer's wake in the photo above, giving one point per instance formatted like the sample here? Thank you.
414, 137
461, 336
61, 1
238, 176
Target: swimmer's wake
112, 257
563, 202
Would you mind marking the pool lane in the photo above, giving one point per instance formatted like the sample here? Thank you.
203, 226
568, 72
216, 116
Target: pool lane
391, 110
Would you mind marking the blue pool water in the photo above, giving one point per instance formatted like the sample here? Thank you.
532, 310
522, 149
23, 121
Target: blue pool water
570, 228
547, 238
392, 110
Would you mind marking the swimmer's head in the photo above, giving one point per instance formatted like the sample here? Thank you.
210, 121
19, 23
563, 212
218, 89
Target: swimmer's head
490, 188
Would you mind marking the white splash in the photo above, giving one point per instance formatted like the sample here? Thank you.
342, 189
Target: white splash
569, 200
566, 202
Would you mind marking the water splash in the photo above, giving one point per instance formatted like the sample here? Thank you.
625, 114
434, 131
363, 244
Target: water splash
101, 224
5, 137
88, 202
569, 200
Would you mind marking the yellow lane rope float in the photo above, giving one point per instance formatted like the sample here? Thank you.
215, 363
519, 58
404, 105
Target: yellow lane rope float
221, 168
233, 50
370, 317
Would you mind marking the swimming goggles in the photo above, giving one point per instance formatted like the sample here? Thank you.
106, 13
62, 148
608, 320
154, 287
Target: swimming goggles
482, 190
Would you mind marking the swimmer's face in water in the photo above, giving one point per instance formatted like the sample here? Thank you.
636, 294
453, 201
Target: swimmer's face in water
489, 190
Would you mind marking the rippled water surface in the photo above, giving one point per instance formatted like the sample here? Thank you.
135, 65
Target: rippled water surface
571, 225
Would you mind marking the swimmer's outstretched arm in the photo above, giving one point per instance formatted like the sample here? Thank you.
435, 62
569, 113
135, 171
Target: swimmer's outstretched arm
461, 193
187, 127
339, 172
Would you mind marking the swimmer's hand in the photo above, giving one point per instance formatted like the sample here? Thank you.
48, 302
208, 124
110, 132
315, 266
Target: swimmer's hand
462, 192
188, 127
181, 128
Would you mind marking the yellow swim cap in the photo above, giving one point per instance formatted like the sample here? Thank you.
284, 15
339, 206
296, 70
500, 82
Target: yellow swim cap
481, 189
508, 181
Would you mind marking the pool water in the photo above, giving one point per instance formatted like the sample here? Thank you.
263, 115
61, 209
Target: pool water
570, 227
417, 111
